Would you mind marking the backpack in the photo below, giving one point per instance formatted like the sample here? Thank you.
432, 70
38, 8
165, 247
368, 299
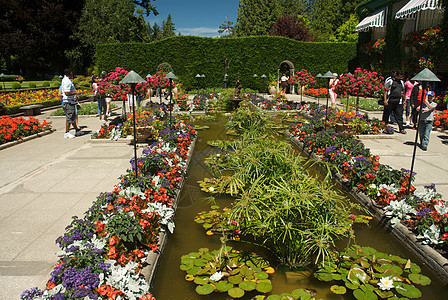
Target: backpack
396, 90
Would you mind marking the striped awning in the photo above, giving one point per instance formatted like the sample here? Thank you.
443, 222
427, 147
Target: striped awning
414, 6
377, 19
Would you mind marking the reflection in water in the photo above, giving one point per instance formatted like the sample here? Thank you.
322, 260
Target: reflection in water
189, 237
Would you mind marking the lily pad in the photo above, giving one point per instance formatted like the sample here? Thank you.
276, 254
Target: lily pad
186, 267
368, 250
357, 275
274, 297
235, 293
205, 289
246, 271
351, 285
301, 294
339, 290
419, 279
200, 262
407, 290
261, 275
323, 276
415, 268
383, 294
392, 267
364, 295
201, 280
223, 286
247, 285
235, 279
264, 287
193, 271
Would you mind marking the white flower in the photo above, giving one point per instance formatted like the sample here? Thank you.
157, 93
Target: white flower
211, 189
386, 283
217, 276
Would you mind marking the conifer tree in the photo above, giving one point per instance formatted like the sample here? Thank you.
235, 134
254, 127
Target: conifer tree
256, 17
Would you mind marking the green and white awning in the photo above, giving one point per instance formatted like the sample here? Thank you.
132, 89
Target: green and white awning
415, 6
377, 19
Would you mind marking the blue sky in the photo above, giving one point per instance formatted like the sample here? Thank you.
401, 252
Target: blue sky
196, 17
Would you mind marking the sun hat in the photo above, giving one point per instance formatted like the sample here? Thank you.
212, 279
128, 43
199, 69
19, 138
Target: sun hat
430, 93
103, 72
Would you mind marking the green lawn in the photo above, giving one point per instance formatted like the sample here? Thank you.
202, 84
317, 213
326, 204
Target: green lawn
370, 104
25, 84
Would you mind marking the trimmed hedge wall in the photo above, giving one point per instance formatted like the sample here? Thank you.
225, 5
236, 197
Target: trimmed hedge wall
189, 55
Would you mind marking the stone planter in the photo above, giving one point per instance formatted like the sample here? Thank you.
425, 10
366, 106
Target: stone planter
143, 134
272, 89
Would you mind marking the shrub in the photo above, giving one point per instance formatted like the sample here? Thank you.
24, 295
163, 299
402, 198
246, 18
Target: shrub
56, 83
32, 84
16, 86
45, 84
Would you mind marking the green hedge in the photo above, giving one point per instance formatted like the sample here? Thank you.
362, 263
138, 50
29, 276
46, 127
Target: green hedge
189, 55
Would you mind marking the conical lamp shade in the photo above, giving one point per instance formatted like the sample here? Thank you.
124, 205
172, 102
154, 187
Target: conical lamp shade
319, 75
132, 77
425, 75
170, 75
328, 75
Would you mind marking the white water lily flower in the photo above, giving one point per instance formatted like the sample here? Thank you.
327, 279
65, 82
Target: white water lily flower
211, 189
386, 283
217, 276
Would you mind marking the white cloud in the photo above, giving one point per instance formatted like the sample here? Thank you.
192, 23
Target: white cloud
199, 31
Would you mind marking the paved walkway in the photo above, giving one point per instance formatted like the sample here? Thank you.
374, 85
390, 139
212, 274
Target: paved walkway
431, 166
45, 181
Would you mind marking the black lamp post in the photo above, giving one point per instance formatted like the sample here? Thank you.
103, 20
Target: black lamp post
255, 79
171, 76
3, 79
148, 77
348, 96
132, 78
198, 78
225, 80
263, 81
318, 76
423, 77
329, 76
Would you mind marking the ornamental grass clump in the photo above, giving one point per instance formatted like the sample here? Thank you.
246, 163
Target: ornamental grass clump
278, 204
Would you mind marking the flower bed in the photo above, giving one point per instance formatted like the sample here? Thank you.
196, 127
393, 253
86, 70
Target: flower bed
12, 129
102, 254
318, 93
441, 120
278, 102
424, 212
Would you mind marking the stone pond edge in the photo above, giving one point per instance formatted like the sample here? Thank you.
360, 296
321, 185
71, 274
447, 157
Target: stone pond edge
431, 257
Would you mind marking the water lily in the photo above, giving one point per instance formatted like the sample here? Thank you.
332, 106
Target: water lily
386, 283
211, 189
217, 276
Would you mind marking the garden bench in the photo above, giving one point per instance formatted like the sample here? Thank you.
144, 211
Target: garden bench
31, 110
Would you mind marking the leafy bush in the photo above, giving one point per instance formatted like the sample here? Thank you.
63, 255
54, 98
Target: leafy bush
224, 100
16, 86
45, 84
32, 84
56, 83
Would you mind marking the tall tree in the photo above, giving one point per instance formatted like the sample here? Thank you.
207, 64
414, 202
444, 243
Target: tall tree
346, 32
156, 32
256, 17
168, 28
291, 27
292, 7
34, 34
226, 28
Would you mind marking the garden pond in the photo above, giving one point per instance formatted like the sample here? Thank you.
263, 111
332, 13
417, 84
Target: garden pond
189, 237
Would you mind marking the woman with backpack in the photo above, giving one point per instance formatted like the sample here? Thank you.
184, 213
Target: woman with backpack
393, 99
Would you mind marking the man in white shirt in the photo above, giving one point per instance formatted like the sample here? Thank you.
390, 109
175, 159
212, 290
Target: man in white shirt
69, 94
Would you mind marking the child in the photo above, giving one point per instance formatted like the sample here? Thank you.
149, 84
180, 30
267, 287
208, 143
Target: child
426, 119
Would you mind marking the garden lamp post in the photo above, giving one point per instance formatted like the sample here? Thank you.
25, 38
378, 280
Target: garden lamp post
171, 76
348, 96
263, 80
132, 78
3, 79
225, 80
198, 78
255, 79
328, 76
318, 76
423, 77
203, 81
148, 77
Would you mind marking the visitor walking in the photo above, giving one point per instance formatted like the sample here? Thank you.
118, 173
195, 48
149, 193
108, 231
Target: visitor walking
69, 104
417, 94
107, 99
332, 86
393, 99
100, 100
426, 119
408, 86
284, 82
